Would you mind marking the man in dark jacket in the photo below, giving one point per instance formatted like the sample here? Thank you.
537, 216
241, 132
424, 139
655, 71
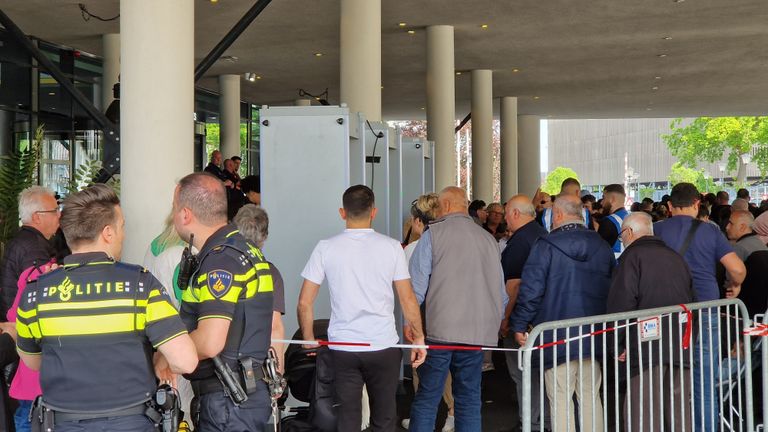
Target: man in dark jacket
39, 214
650, 275
567, 275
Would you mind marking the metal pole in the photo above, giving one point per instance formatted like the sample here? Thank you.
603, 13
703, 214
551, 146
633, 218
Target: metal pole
229, 38
111, 132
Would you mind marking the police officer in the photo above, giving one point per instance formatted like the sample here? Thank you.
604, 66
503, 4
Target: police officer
91, 326
227, 308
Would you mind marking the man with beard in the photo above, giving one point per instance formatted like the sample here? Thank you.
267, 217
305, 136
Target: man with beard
613, 207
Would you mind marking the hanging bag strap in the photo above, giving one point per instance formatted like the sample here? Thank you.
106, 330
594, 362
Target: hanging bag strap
695, 224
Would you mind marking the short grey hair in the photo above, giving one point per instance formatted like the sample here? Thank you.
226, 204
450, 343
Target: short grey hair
253, 223
524, 207
205, 196
640, 222
574, 209
740, 204
29, 202
745, 217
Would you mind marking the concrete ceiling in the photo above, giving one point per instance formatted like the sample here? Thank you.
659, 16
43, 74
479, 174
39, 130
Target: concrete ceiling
582, 59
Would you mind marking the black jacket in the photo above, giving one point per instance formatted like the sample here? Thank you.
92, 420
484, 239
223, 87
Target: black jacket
649, 275
28, 248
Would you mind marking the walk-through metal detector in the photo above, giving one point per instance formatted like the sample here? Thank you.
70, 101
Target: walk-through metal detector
305, 169
418, 171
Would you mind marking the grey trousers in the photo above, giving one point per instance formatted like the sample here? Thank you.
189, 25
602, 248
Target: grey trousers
517, 377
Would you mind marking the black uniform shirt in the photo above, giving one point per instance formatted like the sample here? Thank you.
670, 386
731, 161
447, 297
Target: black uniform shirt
233, 282
95, 322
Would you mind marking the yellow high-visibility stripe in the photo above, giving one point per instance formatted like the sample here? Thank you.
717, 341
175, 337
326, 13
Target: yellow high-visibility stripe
90, 325
95, 304
231, 296
215, 316
34, 328
28, 353
154, 293
26, 314
23, 330
159, 310
245, 276
169, 338
266, 284
232, 233
190, 295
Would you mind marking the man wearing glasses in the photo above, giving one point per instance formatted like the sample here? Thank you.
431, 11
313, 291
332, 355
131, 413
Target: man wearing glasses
39, 214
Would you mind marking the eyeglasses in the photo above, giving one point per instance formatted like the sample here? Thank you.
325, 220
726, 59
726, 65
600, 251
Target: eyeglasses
56, 210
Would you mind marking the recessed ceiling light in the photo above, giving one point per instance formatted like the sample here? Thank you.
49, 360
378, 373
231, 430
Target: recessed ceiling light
318, 54
649, 109
422, 108
402, 24
678, 1
484, 26
655, 88
458, 72
214, 1
657, 77
667, 38
536, 98
515, 70
661, 55
258, 77
410, 32
382, 87
51, 94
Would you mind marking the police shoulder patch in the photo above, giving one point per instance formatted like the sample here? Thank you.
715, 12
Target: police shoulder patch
219, 282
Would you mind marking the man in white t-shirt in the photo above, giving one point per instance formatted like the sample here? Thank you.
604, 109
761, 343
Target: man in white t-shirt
361, 266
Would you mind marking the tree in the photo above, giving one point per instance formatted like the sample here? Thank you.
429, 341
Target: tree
682, 174
555, 179
708, 139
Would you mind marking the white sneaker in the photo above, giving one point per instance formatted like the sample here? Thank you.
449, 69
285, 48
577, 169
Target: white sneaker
449, 424
405, 423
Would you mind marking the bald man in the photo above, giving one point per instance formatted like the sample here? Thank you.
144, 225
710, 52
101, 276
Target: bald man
740, 230
458, 264
567, 275
520, 216
650, 274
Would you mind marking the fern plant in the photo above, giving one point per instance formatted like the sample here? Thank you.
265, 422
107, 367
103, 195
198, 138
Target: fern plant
18, 171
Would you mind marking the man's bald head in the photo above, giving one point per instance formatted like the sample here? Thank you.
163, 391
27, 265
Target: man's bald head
453, 199
567, 209
519, 211
204, 195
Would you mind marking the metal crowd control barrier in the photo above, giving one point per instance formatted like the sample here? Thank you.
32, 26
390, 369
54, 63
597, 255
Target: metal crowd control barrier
676, 368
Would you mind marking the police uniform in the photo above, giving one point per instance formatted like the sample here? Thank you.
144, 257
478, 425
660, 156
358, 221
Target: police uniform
96, 322
233, 282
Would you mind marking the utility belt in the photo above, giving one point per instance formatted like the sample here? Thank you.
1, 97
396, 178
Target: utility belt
44, 418
237, 385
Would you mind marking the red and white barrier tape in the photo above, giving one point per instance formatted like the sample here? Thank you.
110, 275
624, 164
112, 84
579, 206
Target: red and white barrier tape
763, 328
757, 330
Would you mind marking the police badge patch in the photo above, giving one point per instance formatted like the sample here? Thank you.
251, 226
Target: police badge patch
219, 282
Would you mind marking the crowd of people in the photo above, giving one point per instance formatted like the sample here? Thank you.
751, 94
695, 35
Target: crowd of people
95, 335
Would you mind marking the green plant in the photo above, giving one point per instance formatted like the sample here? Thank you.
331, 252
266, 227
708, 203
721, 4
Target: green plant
555, 179
646, 192
18, 171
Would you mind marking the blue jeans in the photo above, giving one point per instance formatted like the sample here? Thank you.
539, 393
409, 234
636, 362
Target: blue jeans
21, 416
466, 368
706, 373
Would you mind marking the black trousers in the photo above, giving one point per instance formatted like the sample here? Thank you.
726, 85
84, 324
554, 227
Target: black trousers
132, 423
379, 371
219, 414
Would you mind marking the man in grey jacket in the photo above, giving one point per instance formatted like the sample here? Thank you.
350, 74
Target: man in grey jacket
456, 271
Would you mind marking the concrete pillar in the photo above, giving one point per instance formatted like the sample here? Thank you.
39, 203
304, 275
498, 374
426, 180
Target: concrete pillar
528, 154
360, 67
229, 115
156, 113
302, 102
509, 167
482, 135
441, 103
110, 44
